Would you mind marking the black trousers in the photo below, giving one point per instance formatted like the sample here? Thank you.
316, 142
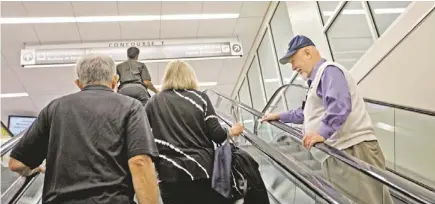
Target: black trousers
190, 192
137, 91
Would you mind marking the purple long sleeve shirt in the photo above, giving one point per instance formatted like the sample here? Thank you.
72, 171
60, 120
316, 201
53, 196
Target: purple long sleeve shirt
334, 92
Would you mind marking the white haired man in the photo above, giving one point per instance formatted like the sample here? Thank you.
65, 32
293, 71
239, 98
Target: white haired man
97, 143
334, 113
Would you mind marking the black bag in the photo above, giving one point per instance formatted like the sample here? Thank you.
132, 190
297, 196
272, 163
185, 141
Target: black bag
236, 175
249, 184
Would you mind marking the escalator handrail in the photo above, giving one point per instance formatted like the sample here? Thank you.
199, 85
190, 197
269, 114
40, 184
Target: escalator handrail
415, 110
313, 182
14, 193
417, 195
367, 100
7, 129
272, 100
278, 91
10, 144
400, 107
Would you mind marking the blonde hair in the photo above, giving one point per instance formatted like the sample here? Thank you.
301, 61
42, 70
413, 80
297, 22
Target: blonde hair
179, 75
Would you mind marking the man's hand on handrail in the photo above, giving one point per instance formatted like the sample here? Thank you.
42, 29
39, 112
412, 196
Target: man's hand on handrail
269, 117
311, 139
24, 170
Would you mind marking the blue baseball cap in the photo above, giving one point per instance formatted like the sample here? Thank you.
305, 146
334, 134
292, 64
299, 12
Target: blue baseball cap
298, 42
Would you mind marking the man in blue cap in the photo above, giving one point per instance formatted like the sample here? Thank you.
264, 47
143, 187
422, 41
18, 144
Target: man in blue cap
335, 113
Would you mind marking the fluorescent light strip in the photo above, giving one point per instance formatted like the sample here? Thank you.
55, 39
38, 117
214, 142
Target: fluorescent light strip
144, 61
385, 126
94, 19
13, 95
359, 12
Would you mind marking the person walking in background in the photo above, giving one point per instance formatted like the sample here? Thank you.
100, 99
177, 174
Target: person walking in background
334, 113
185, 126
98, 144
134, 77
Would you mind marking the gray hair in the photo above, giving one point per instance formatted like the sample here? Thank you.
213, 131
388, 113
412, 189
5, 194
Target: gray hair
95, 69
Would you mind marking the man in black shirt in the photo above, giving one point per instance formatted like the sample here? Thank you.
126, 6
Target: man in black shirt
98, 144
134, 77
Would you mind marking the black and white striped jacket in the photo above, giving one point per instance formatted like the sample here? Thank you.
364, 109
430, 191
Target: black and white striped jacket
184, 124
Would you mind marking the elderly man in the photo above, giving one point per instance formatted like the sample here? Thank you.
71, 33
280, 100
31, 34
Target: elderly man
97, 143
334, 112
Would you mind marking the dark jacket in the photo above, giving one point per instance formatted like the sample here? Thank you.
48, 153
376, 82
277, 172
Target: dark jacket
236, 176
245, 169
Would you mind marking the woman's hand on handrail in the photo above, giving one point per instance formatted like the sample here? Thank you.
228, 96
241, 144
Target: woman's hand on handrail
236, 129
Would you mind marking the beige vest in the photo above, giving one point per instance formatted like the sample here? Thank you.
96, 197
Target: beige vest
358, 126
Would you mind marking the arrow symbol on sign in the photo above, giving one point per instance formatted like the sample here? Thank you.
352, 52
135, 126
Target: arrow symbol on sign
28, 57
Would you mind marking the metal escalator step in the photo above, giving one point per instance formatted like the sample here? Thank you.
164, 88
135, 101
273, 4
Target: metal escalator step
302, 155
288, 149
318, 172
312, 164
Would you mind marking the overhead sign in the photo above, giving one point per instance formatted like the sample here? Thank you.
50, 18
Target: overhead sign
149, 50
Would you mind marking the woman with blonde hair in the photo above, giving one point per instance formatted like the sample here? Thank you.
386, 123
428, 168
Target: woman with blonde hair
185, 126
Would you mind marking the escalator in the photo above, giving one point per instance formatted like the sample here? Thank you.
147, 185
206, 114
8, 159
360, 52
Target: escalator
290, 183
287, 139
398, 129
289, 171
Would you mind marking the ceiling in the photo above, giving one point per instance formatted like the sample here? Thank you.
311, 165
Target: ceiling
46, 84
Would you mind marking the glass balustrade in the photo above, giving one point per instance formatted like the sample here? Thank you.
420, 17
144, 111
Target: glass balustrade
404, 136
282, 186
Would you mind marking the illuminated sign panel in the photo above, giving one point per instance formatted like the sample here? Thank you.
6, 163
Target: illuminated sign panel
17, 124
149, 50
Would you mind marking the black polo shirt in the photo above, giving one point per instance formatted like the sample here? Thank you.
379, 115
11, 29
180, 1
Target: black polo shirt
87, 139
132, 71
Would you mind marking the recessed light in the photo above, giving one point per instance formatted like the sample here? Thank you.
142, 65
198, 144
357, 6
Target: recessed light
94, 19
13, 95
360, 11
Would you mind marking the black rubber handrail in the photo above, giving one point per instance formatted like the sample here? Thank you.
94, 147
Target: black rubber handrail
420, 111
7, 129
14, 193
10, 144
417, 195
368, 100
401, 107
314, 183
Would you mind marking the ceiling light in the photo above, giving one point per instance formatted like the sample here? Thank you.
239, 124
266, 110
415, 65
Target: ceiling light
271, 80
389, 10
94, 19
385, 126
13, 95
360, 11
144, 61
248, 121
